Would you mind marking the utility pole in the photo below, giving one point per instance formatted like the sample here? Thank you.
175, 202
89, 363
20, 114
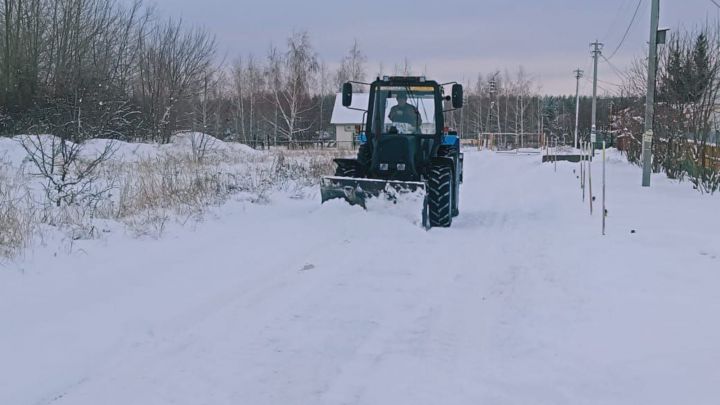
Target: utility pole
578, 75
650, 98
493, 86
493, 114
522, 120
494, 105
597, 50
540, 123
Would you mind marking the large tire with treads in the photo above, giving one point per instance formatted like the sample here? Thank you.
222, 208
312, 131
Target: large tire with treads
452, 152
440, 196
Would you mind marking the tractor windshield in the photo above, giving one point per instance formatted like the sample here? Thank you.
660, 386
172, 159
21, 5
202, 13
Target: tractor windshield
404, 110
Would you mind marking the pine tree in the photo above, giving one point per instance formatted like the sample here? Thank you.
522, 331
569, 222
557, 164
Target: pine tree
700, 74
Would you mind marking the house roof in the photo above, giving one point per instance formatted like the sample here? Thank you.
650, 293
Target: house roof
342, 115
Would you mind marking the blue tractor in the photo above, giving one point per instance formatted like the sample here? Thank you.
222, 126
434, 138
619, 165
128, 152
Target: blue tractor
404, 148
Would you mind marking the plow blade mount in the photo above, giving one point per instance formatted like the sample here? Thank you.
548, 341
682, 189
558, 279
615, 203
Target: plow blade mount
357, 190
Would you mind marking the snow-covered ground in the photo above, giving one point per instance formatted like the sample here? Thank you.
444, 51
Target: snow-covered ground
522, 301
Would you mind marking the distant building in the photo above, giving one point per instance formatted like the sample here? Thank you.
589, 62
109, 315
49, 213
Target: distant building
346, 120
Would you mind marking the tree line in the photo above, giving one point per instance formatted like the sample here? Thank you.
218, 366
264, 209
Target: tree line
100, 69
505, 102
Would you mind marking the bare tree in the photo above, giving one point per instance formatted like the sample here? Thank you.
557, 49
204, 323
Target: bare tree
206, 115
289, 78
248, 82
380, 70
404, 68
172, 67
352, 66
55, 50
325, 94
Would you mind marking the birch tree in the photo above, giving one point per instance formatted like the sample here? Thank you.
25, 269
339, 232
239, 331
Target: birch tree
290, 76
352, 66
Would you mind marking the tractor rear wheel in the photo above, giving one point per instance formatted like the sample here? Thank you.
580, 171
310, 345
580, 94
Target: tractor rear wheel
451, 152
440, 196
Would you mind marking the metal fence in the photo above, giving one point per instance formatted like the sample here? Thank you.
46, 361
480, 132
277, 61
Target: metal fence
511, 141
302, 144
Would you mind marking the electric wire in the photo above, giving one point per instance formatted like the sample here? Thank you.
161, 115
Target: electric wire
613, 25
627, 30
612, 66
609, 83
598, 86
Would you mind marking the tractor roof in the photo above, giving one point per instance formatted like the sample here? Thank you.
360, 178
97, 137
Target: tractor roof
406, 80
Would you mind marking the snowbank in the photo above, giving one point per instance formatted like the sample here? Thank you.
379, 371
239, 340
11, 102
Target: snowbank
146, 186
187, 141
12, 151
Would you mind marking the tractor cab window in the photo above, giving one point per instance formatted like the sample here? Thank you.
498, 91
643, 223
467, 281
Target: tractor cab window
404, 110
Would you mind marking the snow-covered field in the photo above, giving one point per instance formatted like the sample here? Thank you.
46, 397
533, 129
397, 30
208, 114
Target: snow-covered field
522, 301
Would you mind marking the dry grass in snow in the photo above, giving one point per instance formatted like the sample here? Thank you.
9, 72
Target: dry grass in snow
145, 191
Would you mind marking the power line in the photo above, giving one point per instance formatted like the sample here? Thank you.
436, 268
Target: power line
598, 86
627, 31
609, 83
612, 66
715, 3
618, 13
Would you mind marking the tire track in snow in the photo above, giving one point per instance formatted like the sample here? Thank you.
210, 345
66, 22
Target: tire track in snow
387, 313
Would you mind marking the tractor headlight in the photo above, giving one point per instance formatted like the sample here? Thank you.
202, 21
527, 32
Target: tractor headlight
401, 166
383, 166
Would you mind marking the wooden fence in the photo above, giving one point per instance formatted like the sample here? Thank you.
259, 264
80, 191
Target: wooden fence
687, 148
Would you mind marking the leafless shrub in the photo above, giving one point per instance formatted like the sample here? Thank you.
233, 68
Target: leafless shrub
201, 143
68, 178
17, 218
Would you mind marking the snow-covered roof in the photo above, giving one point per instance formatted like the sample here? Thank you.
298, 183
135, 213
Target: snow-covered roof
342, 115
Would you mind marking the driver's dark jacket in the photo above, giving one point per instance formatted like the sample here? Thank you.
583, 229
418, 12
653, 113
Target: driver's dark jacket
407, 114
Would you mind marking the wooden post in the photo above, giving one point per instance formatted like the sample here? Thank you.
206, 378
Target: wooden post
590, 193
604, 211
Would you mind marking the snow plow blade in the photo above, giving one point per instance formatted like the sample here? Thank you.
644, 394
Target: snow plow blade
356, 190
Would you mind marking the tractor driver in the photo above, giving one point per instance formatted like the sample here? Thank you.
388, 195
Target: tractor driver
404, 112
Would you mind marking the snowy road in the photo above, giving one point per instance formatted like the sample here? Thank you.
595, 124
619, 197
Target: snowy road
520, 302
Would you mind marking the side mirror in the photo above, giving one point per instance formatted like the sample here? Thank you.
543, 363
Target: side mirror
347, 94
457, 95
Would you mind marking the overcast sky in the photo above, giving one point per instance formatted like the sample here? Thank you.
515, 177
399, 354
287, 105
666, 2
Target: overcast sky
450, 39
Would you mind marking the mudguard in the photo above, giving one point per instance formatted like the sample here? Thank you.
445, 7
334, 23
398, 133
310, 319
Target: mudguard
442, 160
